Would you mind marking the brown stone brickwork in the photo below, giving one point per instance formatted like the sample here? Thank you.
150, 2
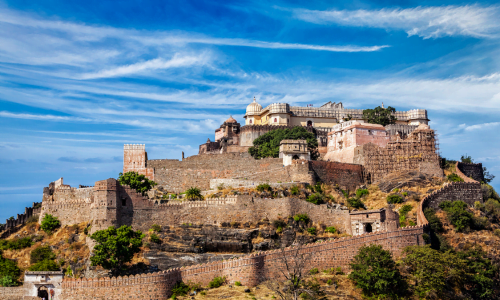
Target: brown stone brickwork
347, 176
467, 171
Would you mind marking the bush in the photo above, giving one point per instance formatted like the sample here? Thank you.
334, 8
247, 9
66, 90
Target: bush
8, 268
279, 223
394, 199
217, 282
237, 283
16, 244
496, 232
301, 218
361, 192
154, 238
313, 271
375, 272
317, 188
45, 265
180, 289
355, 203
454, 178
405, 209
136, 181
49, 223
489, 192
458, 215
263, 187
315, 198
294, 190
193, 193
156, 227
434, 222
492, 208
41, 253
312, 230
32, 219
330, 229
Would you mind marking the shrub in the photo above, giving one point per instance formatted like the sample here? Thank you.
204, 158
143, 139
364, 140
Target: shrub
86, 230
434, 222
263, 187
394, 198
32, 219
361, 192
8, 268
7, 281
478, 206
237, 283
294, 190
496, 232
279, 223
136, 181
330, 229
41, 253
345, 193
454, 178
315, 198
220, 187
492, 208
313, 271
375, 272
301, 218
405, 209
489, 192
16, 244
217, 282
329, 282
155, 239
355, 203
317, 188
45, 265
156, 227
457, 214
194, 193
180, 289
49, 223
405, 194
312, 230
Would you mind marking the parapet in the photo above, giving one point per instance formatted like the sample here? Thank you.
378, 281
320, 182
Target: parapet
134, 147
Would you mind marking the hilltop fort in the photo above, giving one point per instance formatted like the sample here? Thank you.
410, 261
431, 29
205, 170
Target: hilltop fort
353, 154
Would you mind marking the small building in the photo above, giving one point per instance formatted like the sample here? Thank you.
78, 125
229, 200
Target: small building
43, 284
292, 150
366, 221
346, 136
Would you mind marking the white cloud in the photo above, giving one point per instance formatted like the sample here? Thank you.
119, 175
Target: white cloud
7, 114
154, 64
427, 22
480, 126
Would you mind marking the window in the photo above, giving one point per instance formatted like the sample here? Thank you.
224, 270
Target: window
250, 121
124, 202
275, 120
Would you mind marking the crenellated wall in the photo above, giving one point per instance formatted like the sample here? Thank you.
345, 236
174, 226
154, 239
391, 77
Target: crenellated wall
21, 219
249, 270
470, 172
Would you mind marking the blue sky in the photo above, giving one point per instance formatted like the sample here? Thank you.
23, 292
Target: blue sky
78, 79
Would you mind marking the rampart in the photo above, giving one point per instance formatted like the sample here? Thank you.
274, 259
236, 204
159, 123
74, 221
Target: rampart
21, 219
468, 171
347, 176
249, 270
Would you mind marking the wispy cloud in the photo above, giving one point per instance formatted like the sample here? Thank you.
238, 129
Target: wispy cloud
479, 126
53, 118
427, 22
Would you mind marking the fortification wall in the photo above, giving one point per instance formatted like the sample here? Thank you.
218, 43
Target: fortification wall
69, 212
142, 213
13, 293
198, 170
474, 171
249, 270
21, 219
347, 176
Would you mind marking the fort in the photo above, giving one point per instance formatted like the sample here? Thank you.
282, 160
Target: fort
353, 154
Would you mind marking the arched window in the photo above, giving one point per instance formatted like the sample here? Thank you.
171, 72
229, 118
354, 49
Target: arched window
295, 157
250, 121
309, 123
368, 227
275, 120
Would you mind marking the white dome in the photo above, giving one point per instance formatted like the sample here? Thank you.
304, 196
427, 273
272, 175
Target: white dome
254, 107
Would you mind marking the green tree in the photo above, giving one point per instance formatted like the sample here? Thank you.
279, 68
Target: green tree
115, 247
466, 159
431, 270
480, 273
136, 181
268, 144
458, 214
194, 193
41, 253
379, 115
49, 223
9, 271
375, 272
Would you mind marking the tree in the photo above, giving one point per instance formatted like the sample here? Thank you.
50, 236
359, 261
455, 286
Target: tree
293, 285
9, 271
268, 144
375, 272
115, 247
41, 253
136, 181
49, 223
379, 115
45, 265
466, 159
194, 193
458, 214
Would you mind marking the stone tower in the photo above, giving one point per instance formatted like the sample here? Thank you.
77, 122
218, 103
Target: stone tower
135, 159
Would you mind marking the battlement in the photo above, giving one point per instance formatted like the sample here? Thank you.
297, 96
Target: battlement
134, 147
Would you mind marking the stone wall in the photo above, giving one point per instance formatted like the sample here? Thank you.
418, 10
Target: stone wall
22, 218
249, 270
71, 205
198, 170
347, 176
474, 171
236, 183
13, 293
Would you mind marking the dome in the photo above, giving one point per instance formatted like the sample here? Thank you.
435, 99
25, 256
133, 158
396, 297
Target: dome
231, 120
254, 107
423, 126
